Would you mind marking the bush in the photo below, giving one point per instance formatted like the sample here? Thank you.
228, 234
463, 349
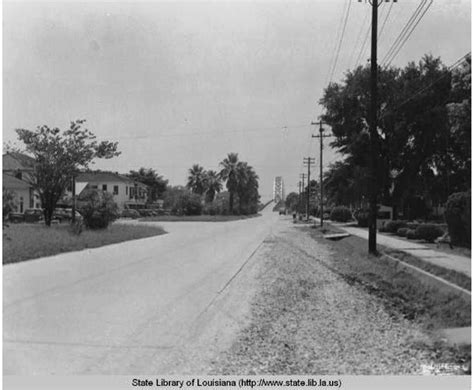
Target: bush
412, 225
98, 209
402, 232
182, 202
428, 232
362, 217
393, 226
411, 234
341, 214
458, 218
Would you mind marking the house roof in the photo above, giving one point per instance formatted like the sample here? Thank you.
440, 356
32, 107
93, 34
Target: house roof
11, 182
17, 161
100, 177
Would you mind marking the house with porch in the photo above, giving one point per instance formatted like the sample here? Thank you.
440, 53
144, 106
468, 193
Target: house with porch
126, 192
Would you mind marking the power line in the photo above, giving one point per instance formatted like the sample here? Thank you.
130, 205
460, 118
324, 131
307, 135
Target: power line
341, 39
403, 31
359, 36
341, 21
409, 34
385, 21
362, 48
406, 32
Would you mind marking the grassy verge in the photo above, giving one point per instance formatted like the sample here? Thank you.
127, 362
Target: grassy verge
29, 241
197, 218
452, 276
402, 292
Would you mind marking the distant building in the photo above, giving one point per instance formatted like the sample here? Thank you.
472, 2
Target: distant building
18, 169
278, 189
127, 193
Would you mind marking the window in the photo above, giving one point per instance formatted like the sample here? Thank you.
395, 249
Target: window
104, 187
115, 190
94, 187
21, 204
126, 190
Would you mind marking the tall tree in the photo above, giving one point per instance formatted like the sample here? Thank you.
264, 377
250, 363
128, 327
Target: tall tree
229, 175
197, 179
58, 156
247, 188
213, 184
156, 183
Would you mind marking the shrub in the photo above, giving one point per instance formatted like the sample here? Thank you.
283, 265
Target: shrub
362, 217
428, 232
458, 218
181, 201
411, 234
98, 209
341, 214
412, 225
393, 226
402, 232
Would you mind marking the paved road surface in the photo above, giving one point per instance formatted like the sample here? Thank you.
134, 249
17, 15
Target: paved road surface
126, 308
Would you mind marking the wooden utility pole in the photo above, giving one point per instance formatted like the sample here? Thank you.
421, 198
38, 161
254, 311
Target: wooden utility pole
373, 133
302, 176
321, 136
73, 217
308, 161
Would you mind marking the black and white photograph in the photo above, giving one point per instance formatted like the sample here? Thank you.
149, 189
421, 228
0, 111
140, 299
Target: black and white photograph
236, 194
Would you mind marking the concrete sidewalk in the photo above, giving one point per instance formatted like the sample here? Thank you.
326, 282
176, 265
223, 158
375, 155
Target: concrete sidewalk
454, 262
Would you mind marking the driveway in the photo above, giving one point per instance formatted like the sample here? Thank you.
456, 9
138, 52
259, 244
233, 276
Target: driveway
134, 307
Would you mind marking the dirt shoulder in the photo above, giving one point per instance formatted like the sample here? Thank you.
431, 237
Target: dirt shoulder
312, 314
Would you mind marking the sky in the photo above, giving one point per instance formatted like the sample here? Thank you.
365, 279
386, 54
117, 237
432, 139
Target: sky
178, 83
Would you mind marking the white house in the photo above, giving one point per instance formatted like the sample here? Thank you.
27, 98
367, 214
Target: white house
127, 193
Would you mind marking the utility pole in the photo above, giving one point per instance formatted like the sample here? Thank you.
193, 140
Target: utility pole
321, 136
302, 176
308, 161
373, 186
73, 216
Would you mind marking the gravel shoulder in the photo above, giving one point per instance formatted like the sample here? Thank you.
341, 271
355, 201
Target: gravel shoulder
307, 319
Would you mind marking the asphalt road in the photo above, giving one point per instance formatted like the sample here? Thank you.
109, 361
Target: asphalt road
130, 308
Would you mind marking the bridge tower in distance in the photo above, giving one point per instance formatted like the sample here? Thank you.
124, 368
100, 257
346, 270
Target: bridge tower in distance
278, 189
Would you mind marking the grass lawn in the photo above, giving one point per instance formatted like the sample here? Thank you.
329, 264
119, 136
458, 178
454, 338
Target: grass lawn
29, 241
197, 218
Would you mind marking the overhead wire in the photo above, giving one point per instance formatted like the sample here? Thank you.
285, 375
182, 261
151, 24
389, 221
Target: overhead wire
408, 35
327, 79
341, 38
359, 36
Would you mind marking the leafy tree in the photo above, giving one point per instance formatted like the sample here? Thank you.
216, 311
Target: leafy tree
291, 201
8, 202
156, 183
411, 133
212, 184
181, 201
58, 156
229, 175
197, 179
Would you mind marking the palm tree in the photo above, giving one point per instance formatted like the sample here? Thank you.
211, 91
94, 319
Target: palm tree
213, 185
247, 187
229, 174
196, 179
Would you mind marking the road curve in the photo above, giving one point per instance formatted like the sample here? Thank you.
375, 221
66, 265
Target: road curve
125, 308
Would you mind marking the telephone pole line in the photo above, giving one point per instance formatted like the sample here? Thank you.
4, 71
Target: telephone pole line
308, 161
302, 177
321, 136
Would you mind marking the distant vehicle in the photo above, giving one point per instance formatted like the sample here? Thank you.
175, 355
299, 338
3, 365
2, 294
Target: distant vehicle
282, 211
34, 215
65, 215
130, 213
16, 217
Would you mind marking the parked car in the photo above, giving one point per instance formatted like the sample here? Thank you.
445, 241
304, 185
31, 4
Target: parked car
130, 213
65, 215
16, 217
282, 211
34, 215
